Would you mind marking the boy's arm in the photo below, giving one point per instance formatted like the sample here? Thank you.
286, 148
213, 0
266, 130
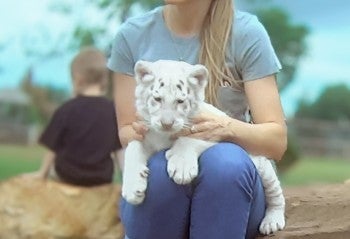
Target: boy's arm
47, 163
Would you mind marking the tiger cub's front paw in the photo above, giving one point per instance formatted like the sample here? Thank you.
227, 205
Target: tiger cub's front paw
272, 222
182, 168
135, 185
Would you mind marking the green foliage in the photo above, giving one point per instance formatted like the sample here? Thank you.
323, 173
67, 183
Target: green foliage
291, 156
332, 104
20, 114
86, 36
288, 39
123, 6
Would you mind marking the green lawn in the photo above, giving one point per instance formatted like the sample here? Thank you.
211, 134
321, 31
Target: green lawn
19, 159
311, 170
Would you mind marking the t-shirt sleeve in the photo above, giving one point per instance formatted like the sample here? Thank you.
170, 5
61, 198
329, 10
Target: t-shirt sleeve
54, 131
256, 56
121, 59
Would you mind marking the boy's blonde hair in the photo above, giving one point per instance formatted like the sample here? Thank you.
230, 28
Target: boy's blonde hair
215, 41
88, 68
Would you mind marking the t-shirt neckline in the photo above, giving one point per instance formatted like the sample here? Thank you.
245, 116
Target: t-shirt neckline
176, 38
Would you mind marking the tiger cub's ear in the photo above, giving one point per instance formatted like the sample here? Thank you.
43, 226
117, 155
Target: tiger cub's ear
199, 76
143, 72
198, 79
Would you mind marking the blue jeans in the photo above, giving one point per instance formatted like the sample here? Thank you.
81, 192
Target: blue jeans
225, 201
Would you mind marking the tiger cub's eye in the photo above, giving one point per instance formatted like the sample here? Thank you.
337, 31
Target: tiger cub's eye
180, 101
158, 99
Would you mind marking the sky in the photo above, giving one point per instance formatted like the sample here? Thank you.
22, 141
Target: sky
327, 60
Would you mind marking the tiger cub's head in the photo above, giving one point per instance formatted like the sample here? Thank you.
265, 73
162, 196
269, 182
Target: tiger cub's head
168, 93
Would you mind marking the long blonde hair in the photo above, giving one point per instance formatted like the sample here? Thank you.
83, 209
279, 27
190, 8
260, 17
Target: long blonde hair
215, 36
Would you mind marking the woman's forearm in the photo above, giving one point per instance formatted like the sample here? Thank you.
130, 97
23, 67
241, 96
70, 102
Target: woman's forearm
268, 139
126, 133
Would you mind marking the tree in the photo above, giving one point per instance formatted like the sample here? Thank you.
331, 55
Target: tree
332, 104
44, 100
289, 41
112, 11
124, 7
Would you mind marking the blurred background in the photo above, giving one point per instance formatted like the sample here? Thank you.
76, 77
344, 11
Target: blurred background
38, 39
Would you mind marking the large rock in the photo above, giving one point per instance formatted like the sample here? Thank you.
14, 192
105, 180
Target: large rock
317, 212
36, 209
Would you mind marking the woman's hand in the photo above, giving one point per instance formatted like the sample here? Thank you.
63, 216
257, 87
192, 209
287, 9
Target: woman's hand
210, 127
140, 130
134, 131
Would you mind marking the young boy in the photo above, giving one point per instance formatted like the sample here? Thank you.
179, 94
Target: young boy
82, 133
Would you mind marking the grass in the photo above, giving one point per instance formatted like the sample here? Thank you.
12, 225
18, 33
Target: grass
15, 160
309, 170
312, 170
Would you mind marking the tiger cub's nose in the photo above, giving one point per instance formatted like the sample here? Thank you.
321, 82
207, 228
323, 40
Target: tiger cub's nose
167, 125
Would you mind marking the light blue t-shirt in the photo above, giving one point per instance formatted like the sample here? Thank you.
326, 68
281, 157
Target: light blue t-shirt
147, 37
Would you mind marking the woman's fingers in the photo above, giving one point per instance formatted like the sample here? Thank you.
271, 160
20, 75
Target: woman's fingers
139, 117
198, 119
194, 129
139, 128
203, 116
203, 126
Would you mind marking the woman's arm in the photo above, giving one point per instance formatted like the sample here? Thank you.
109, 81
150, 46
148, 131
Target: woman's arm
267, 136
124, 97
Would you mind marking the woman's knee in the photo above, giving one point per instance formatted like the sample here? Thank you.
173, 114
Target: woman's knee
157, 163
142, 221
158, 178
226, 161
160, 186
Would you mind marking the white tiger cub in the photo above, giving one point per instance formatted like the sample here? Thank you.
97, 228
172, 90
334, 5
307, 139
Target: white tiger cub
168, 94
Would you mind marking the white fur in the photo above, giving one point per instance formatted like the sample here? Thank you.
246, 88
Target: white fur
168, 94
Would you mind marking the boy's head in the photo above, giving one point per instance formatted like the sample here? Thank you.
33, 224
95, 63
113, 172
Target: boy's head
88, 70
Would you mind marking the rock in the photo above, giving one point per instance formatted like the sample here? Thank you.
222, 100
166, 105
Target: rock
317, 212
37, 209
